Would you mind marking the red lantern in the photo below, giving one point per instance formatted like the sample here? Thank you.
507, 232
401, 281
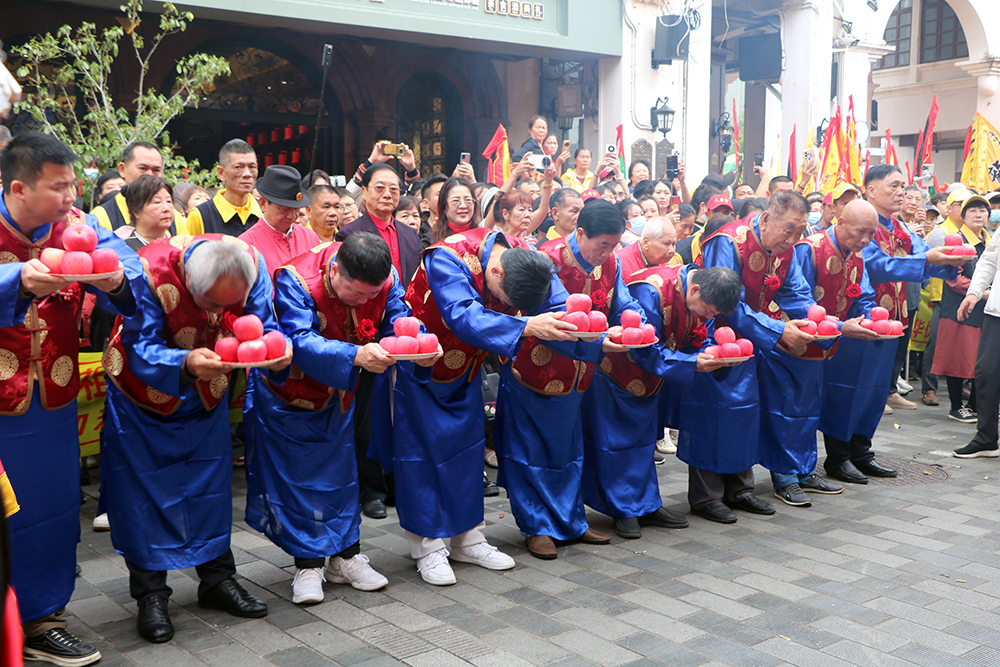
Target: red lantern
295, 156
250, 139
262, 138
283, 157
269, 159
288, 132
274, 134
303, 129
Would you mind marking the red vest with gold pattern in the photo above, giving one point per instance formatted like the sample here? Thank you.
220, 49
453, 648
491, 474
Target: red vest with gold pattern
679, 330
337, 321
837, 279
46, 346
460, 359
892, 295
762, 273
539, 368
186, 326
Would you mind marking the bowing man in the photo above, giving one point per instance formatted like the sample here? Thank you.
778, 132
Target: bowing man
477, 293
39, 349
539, 424
302, 477
167, 442
623, 402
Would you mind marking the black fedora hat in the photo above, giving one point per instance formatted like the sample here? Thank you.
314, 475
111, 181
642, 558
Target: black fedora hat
282, 185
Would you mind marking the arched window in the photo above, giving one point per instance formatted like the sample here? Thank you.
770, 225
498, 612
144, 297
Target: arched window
898, 33
941, 34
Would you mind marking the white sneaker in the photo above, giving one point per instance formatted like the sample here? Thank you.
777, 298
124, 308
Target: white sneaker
101, 523
307, 587
355, 571
435, 569
665, 445
483, 554
902, 386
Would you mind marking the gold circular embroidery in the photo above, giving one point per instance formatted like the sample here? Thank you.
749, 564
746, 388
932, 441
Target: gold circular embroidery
597, 273
819, 293
671, 342
8, 364
516, 373
8, 258
296, 373
541, 355
454, 359
773, 307
841, 304
668, 312
655, 280
742, 233
454, 238
44, 333
184, 339
606, 364
472, 262
22, 407
322, 321
113, 361
798, 350
905, 309
178, 242
834, 264
854, 274
62, 370
169, 297
757, 261
899, 252
555, 387
157, 397
784, 317
636, 388
304, 404
219, 386
886, 302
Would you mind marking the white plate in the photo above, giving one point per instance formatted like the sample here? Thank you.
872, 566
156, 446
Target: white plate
732, 361
887, 336
586, 335
830, 337
635, 347
255, 364
86, 278
413, 357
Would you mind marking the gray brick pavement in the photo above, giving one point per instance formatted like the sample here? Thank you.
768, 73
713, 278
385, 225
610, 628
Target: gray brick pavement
883, 574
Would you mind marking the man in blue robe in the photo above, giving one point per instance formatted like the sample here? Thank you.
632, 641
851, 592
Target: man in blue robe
854, 381
720, 416
168, 449
39, 345
475, 292
302, 475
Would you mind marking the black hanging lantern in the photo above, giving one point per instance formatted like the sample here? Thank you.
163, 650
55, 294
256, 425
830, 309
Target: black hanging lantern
661, 116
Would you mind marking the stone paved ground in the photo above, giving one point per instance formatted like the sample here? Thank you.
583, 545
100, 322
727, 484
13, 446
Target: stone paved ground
888, 574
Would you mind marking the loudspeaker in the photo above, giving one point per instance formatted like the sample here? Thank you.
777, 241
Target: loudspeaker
760, 57
671, 40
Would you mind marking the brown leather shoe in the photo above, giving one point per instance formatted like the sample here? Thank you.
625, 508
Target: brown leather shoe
542, 546
930, 398
594, 537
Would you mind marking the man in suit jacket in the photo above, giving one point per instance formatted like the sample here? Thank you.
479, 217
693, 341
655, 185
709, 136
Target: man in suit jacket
380, 187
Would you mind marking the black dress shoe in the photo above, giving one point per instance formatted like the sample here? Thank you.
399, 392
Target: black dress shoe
873, 468
753, 504
716, 511
628, 528
663, 518
374, 509
154, 623
846, 472
489, 488
230, 597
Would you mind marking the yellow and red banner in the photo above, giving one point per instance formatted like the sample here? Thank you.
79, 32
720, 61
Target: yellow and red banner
498, 154
982, 162
90, 403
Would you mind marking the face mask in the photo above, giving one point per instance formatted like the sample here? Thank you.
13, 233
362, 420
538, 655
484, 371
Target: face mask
815, 217
637, 224
90, 172
995, 217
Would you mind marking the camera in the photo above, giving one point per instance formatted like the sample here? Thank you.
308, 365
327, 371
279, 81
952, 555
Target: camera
540, 162
392, 149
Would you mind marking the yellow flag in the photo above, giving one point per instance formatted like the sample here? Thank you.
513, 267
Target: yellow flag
982, 165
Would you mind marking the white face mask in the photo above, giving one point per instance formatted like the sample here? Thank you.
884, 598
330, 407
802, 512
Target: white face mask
814, 217
90, 172
637, 224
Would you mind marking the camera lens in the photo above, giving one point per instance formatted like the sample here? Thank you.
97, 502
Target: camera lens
546, 161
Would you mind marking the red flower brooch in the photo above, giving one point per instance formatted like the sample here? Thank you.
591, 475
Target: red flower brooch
367, 331
699, 335
226, 323
853, 291
772, 282
599, 299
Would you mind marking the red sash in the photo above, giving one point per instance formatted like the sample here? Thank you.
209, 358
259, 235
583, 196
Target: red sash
46, 345
762, 273
892, 295
460, 359
186, 326
536, 366
680, 329
337, 321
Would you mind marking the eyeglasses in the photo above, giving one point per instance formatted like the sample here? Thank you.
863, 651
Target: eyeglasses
455, 201
380, 189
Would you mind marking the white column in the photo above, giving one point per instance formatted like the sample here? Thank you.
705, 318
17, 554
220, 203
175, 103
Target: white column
807, 41
988, 87
855, 66
696, 120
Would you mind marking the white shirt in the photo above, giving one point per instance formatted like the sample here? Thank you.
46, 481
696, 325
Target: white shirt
986, 275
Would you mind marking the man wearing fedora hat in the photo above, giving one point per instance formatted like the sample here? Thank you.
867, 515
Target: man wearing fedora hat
275, 235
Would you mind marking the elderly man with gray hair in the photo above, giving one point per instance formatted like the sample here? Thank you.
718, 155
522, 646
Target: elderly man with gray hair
167, 449
655, 246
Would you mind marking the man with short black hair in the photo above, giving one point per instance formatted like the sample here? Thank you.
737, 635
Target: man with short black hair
324, 211
429, 198
699, 201
233, 209
780, 183
138, 158
39, 447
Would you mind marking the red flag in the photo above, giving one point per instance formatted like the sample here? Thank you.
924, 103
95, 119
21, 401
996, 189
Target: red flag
620, 145
499, 157
868, 162
793, 170
736, 145
968, 144
929, 130
918, 155
909, 176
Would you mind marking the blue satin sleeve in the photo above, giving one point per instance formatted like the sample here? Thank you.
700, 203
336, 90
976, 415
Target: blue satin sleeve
395, 305
658, 359
328, 361
863, 305
796, 293
260, 302
580, 350
912, 268
149, 359
802, 260
12, 308
127, 300
762, 330
462, 308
